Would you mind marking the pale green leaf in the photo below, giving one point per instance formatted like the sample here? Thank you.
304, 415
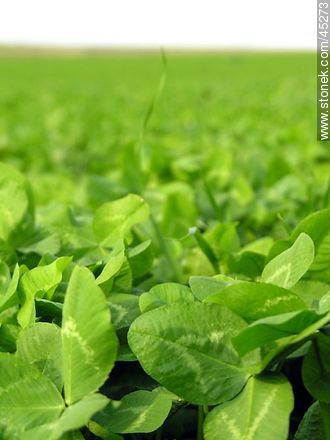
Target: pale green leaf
27, 398
41, 346
254, 301
16, 204
202, 287
124, 309
311, 291
286, 269
10, 297
179, 209
111, 268
317, 226
42, 245
166, 293
187, 349
74, 417
324, 305
261, 411
88, 338
40, 281
4, 277
113, 220
102, 433
280, 331
140, 411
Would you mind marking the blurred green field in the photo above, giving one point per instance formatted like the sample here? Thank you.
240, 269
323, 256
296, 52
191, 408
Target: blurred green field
240, 124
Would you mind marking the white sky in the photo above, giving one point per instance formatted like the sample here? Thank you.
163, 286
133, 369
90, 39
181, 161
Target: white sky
287, 24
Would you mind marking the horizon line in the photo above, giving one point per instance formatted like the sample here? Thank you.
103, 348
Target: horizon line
115, 48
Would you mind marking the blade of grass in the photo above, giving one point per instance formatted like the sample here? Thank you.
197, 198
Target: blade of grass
207, 250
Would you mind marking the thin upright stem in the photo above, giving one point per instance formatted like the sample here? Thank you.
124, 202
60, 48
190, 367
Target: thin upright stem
200, 421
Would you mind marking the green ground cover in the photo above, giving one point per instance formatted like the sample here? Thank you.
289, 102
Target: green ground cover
164, 248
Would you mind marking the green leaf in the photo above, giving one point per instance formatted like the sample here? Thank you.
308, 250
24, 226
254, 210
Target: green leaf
102, 433
286, 269
113, 220
8, 433
72, 435
325, 413
195, 261
260, 246
41, 346
247, 263
254, 301
202, 287
261, 411
324, 304
140, 411
88, 338
311, 291
187, 349
141, 258
316, 368
124, 309
27, 398
4, 277
123, 281
317, 226
311, 426
74, 417
40, 281
38, 244
223, 238
50, 309
179, 209
250, 260
16, 205
288, 329
8, 337
10, 297
112, 267
162, 294
43, 280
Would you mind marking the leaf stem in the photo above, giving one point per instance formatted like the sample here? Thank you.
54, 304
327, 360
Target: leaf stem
212, 200
207, 250
200, 421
